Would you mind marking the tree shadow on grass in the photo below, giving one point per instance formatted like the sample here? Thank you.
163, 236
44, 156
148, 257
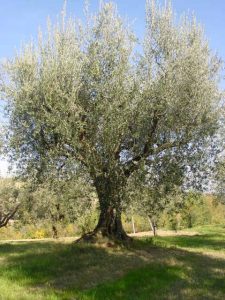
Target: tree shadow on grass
22, 247
144, 271
169, 274
63, 265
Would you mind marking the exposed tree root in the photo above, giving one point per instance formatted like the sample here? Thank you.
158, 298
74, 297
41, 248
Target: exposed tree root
101, 237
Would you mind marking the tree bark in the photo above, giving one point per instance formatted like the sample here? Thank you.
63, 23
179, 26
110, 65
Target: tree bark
133, 226
109, 223
153, 225
4, 218
54, 232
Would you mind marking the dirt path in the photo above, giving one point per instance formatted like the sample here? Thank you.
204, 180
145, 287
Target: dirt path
138, 234
164, 233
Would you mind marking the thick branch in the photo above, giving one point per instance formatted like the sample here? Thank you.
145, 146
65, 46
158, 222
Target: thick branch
147, 149
75, 154
134, 163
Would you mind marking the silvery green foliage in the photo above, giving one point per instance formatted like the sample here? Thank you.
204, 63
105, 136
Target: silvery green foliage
79, 98
2, 134
56, 201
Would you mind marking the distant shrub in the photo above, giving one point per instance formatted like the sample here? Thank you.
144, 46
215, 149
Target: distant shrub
40, 234
205, 211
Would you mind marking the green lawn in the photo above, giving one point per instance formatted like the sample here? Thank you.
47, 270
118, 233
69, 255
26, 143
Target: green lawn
172, 267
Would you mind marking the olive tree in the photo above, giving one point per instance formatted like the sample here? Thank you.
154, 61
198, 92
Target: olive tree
81, 97
154, 188
58, 201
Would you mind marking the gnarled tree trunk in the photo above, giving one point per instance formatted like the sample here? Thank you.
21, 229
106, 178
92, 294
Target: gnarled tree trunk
109, 224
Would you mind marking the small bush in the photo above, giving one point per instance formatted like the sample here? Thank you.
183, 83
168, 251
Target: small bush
40, 234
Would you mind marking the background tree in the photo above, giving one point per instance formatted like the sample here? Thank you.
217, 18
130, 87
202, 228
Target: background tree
58, 201
149, 195
9, 204
220, 180
79, 98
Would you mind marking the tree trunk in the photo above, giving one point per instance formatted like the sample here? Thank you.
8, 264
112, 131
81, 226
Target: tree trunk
153, 225
133, 226
109, 224
54, 232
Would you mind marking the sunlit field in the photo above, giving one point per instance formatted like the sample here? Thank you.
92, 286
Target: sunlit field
168, 267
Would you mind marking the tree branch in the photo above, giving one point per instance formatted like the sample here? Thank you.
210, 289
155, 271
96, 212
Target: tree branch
5, 218
147, 149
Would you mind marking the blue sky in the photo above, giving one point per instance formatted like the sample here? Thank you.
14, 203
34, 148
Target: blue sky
20, 20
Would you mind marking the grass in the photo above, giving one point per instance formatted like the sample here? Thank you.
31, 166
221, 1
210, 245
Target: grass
209, 239
171, 267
